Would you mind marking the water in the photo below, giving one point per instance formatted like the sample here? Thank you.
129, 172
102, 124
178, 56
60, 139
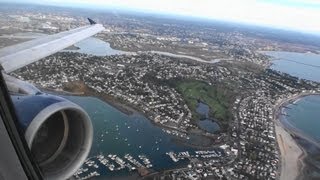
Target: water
304, 117
305, 114
118, 133
302, 65
206, 123
209, 125
203, 109
96, 47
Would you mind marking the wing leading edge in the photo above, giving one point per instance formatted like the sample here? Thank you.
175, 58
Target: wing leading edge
20, 55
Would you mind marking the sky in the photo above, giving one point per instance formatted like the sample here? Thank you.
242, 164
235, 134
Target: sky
299, 15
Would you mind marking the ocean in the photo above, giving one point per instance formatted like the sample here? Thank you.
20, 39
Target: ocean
304, 115
302, 65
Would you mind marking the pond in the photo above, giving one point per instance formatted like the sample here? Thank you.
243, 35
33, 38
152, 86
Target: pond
206, 123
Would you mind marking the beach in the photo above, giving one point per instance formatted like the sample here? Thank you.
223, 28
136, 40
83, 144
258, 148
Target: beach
292, 155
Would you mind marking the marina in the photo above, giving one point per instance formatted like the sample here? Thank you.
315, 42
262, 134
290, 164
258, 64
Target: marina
124, 150
141, 163
143, 148
111, 163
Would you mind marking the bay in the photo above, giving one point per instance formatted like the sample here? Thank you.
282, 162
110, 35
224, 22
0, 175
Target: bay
304, 114
119, 134
302, 65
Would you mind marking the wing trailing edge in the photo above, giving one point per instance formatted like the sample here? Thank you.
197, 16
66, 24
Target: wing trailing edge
20, 55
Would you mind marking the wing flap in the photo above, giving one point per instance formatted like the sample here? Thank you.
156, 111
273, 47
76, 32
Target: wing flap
17, 56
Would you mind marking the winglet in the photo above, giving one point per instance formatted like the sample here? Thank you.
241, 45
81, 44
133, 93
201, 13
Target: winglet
91, 21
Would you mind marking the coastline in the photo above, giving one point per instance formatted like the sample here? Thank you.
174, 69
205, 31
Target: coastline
291, 153
80, 89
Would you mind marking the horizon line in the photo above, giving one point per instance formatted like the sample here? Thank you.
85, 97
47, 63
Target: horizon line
168, 14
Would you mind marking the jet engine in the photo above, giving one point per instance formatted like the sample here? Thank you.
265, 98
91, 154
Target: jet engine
58, 132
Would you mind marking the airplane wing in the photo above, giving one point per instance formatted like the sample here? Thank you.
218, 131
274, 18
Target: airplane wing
20, 55
26, 110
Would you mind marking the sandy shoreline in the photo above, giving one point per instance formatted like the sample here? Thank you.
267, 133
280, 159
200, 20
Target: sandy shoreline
292, 155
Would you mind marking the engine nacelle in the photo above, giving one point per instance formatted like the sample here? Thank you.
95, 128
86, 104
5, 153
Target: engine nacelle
58, 132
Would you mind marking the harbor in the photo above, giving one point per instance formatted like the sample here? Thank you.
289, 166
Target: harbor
142, 164
125, 144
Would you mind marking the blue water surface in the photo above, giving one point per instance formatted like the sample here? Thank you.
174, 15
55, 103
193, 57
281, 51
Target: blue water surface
118, 133
305, 113
302, 65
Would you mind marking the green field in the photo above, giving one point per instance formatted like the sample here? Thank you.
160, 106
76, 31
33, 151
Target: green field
218, 98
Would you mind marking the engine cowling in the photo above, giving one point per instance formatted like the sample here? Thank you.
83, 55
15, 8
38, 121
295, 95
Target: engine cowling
58, 132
